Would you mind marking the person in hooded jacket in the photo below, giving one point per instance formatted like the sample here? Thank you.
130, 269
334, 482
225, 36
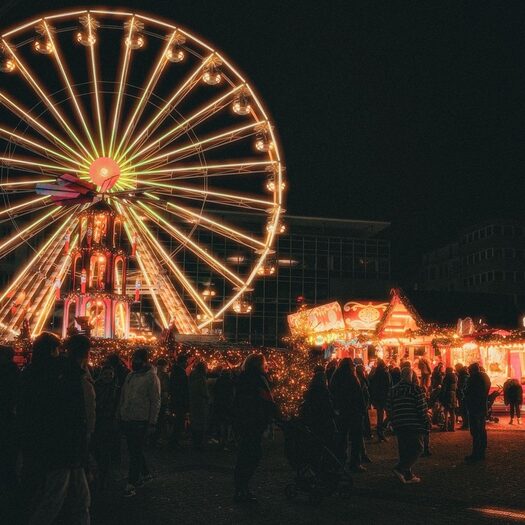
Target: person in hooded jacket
513, 396
349, 405
138, 412
253, 411
380, 384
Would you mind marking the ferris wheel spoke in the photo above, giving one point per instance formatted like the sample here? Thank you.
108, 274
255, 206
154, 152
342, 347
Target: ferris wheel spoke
200, 170
167, 259
165, 110
42, 130
14, 186
8, 211
65, 77
26, 73
167, 300
20, 211
146, 94
122, 82
29, 231
93, 72
32, 264
39, 166
217, 227
237, 198
205, 256
50, 298
186, 125
203, 145
34, 146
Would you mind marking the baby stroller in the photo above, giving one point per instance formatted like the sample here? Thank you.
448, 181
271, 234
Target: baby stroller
437, 412
319, 473
491, 418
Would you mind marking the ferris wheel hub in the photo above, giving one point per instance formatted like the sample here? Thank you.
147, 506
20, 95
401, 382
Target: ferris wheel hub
104, 172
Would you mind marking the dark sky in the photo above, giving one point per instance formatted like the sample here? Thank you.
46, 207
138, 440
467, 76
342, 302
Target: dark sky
411, 112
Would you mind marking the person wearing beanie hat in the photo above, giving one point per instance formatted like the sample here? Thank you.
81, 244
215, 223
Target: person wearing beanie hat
409, 419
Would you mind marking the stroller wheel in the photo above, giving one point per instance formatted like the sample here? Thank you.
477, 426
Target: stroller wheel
345, 491
315, 497
290, 491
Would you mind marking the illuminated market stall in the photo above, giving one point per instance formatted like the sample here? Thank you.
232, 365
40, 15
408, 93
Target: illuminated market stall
395, 331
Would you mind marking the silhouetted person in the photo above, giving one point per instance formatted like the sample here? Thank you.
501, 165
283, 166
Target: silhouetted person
199, 404
447, 398
254, 410
380, 384
62, 433
462, 373
179, 398
409, 419
222, 406
365, 388
437, 376
395, 374
9, 390
37, 381
138, 411
513, 396
350, 408
107, 397
426, 371
317, 413
476, 398
164, 380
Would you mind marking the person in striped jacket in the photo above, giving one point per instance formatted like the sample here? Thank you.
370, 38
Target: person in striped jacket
409, 418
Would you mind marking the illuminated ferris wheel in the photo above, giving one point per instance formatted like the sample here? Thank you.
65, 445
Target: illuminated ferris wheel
114, 106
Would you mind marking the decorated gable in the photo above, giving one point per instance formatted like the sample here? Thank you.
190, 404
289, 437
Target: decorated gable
400, 317
363, 315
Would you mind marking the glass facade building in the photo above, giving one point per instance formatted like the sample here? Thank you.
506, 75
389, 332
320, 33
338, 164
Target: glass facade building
316, 260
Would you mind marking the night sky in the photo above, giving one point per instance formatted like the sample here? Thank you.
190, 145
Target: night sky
410, 112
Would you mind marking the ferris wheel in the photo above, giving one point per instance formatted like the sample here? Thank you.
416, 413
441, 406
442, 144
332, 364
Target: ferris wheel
140, 113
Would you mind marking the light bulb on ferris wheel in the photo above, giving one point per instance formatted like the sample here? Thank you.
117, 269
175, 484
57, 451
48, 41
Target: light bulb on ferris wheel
188, 154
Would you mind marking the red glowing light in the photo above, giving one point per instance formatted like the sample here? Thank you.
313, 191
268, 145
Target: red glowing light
104, 172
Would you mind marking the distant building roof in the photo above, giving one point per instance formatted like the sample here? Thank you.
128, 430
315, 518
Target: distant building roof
324, 225
445, 308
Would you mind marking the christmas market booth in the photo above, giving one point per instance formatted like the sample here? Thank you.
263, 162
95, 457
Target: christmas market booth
395, 331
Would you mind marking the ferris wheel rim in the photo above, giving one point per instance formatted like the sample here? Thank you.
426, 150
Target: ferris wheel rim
263, 249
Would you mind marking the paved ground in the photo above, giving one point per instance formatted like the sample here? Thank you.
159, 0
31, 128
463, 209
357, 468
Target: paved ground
195, 489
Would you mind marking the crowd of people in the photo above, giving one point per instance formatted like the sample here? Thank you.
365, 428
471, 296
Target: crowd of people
62, 422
